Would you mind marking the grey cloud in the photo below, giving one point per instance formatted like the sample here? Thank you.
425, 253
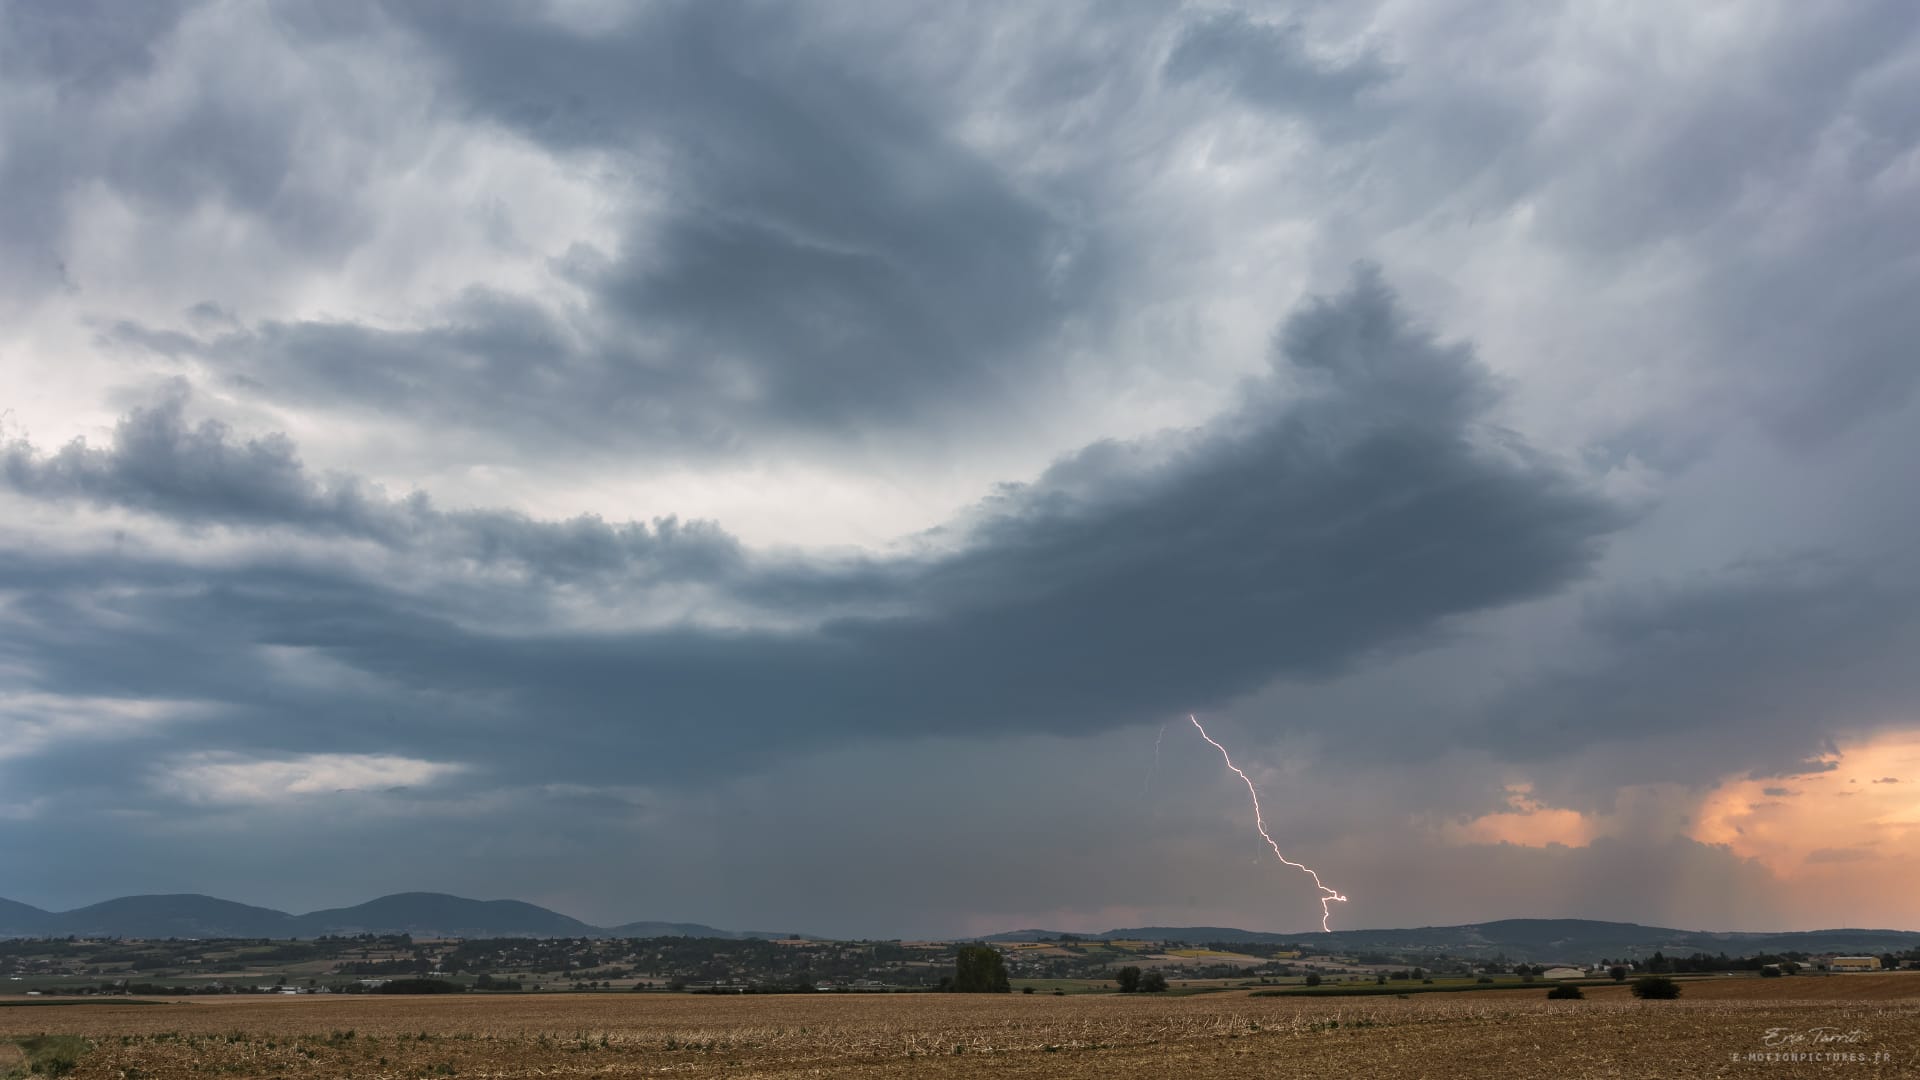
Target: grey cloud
192, 142
1758, 667
1273, 66
201, 474
1782, 177
77, 51
825, 251
493, 364
1312, 527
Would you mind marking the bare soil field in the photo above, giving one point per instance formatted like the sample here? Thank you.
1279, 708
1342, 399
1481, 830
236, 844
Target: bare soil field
1220, 1035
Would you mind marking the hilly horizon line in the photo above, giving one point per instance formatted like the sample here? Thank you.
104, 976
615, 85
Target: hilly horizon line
181, 915
412, 911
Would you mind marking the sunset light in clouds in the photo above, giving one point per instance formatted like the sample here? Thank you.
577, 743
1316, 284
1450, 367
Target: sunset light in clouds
1845, 832
1858, 819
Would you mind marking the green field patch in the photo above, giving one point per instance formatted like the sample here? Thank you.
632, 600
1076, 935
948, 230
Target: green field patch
50, 1055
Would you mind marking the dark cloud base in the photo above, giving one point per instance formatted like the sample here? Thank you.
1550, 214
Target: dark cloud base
1354, 502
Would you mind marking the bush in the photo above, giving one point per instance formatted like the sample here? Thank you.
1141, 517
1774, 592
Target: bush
1484, 979
1771, 971
1153, 982
1313, 978
1565, 992
1655, 988
53, 1055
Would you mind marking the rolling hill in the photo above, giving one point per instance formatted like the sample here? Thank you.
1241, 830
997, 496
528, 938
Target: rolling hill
440, 914
187, 915
27, 920
1582, 940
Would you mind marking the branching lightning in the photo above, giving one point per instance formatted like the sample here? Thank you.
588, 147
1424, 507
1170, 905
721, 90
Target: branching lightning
1155, 767
1327, 896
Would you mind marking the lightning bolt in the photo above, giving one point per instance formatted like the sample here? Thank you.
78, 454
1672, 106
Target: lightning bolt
1327, 896
1155, 767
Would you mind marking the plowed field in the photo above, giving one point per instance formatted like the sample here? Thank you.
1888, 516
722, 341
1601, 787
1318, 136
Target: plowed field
1451, 1035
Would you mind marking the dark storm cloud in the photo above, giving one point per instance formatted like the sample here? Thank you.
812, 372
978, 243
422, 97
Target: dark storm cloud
88, 119
1352, 503
823, 251
1782, 656
75, 50
1271, 65
201, 474
494, 364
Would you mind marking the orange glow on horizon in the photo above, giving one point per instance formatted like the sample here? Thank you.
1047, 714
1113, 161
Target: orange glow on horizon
1840, 844
1864, 809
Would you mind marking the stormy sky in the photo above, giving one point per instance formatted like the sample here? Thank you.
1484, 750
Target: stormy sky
795, 466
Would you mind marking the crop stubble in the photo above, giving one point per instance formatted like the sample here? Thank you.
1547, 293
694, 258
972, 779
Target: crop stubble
1222, 1035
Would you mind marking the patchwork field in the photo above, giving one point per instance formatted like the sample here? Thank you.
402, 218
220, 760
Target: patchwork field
1707, 1033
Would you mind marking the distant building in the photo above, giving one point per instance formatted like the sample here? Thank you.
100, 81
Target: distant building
1854, 963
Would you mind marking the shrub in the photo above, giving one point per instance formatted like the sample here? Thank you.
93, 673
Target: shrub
1565, 992
53, 1055
1771, 971
1484, 979
1313, 978
1655, 988
1153, 982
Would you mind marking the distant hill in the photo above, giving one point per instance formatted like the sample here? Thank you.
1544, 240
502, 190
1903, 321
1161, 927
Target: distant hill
437, 914
189, 915
184, 915
22, 920
683, 929
1533, 940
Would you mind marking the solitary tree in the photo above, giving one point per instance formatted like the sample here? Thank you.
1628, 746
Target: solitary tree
1128, 978
1655, 988
1152, 982
1313, 978
1618, 972
978, 969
